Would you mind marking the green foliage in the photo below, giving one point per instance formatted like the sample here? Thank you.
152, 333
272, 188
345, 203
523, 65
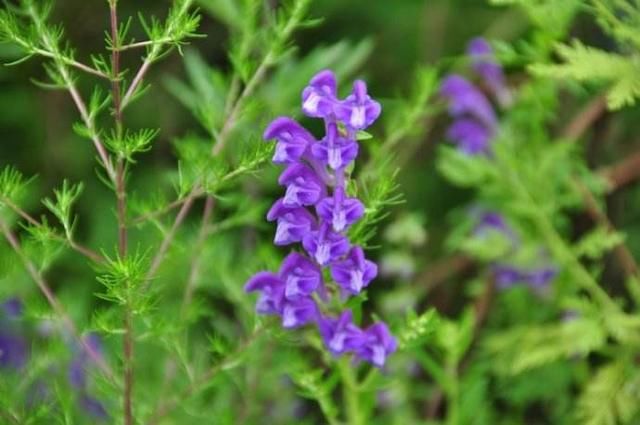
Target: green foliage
610, 397
65, 197
583, 63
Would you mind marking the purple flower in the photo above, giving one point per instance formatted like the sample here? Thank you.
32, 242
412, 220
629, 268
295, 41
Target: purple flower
302, 277
358, 111
319, 97
485, 64
335, 151
340, 335
299, 312
354, 272
304, 187
541, 277
340, 210
466, 100
77, 373
325, 245
507, 276
489, 221
13, 350
293, 222
292, 140
271, 288
471, 137
12, 308
378, 344
93, 406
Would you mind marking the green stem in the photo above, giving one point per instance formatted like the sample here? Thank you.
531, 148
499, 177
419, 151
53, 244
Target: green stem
350, 393
453, 394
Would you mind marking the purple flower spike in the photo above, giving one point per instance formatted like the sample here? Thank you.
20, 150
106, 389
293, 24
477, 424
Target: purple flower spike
340, 335
293, 222
335, 151
325, 246
292, 140
378, 344
302, 277
319, 97
485, 64
358, 111
304, 187
299, 312
354, 272
315, 179
465, 99
271, 289
339, 210
471, 137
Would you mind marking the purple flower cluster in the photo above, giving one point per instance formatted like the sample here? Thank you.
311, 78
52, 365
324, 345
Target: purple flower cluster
475, 122
316, 211
505, 273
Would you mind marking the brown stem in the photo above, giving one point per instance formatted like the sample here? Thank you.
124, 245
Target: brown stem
585, 118
121, 199
622, 173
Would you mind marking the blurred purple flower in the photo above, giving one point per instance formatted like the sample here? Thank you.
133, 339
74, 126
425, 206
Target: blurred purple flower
465, 99
486, 65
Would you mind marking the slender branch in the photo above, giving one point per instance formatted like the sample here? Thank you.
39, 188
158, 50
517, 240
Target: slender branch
52, 300
138, 44
165, 409
166, 242
87, 252
197, 261
71, 62
75, 95
151, 57
161, 211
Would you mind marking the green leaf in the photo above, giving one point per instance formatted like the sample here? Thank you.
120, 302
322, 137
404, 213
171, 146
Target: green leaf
589, 64
597, 242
